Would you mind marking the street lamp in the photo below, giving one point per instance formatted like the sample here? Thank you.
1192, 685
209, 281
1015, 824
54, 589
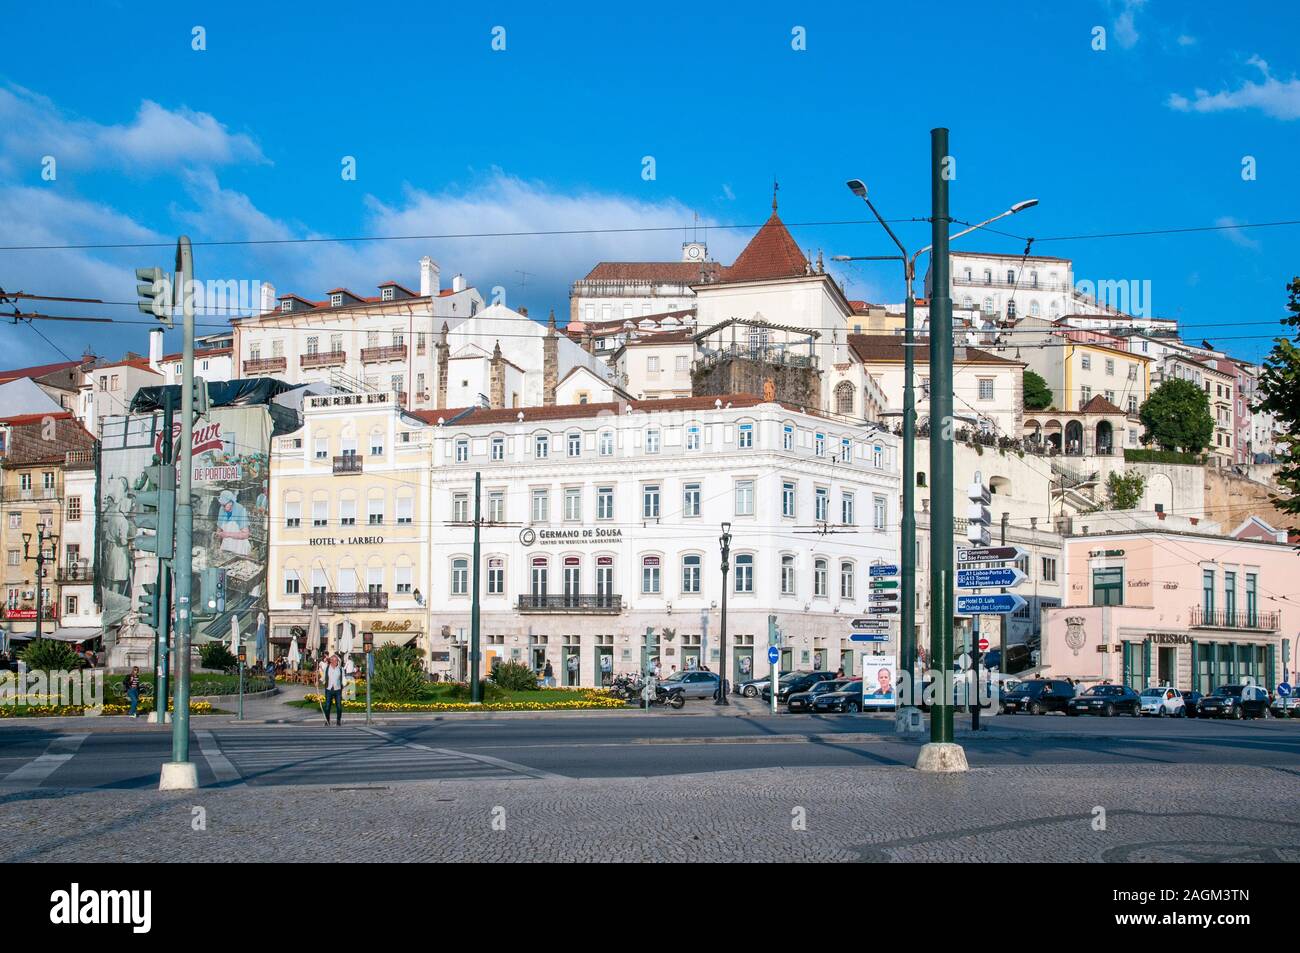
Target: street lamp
43, 555
907, 543
724, 541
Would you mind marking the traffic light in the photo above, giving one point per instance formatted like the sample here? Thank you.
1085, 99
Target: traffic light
157, 511
200, 397
149, 606
212, 592
155, 291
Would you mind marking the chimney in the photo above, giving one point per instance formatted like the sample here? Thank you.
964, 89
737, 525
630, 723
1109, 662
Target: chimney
429, 286
443, 350
156, 349
589, 343
267, 297
550, 362
497, 380
458, 283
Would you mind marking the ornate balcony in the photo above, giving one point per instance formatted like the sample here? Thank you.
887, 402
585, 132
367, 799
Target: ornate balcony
573, 604
348, 463
345, 601
395, 352
323, 359
79, 572
265, 365
1202, 618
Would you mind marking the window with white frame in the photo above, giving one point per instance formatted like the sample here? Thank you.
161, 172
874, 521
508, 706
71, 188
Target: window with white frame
846, 508
690, 500
787, 437
652, 440
573, 504
541, 506
652, 365
878, 456
293, 514
375, 511
575, 444
745, 438
292, 583
846, 450
788, 499
462, 450
606, 443
459, 576
878, 513
787, 575
819, 445
821, 510
402, 580
496, 576
683, 363
650, 575
321, 446
693, 437
319, 512
498, 448
405, 510
496, 506
348, 511
376, 443
744, 573
986, 388
819, 578
691, 564
744, 497
846, 580
650, 501
542, 446
604, 502
460, 508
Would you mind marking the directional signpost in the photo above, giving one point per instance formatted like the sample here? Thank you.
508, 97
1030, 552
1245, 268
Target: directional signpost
992, 554
999, 604
1006, 577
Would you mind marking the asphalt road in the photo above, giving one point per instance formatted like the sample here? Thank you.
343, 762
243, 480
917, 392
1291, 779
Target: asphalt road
658, 744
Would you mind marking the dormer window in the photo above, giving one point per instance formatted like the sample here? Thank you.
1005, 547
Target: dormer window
387, 294
336, 300
286, 304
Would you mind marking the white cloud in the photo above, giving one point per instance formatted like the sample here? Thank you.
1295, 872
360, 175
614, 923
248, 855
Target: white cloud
1125, 25
1234, 234
32, 126
1185, 39
1275, 98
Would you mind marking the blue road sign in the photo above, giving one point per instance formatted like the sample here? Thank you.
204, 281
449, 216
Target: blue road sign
1284, 689
868, 637
1003, 577
990, 605
773, 654
886, 570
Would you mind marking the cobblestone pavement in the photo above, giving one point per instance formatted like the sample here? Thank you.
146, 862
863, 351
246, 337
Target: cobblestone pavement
1151, 813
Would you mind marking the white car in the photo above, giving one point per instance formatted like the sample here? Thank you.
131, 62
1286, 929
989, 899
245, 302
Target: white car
1163, 700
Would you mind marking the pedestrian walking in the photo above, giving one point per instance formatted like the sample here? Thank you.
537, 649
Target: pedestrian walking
548, 675
132, 682
333, 684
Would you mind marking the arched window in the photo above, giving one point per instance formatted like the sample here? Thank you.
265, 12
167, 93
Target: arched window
691, 574
745, 573
650, 575
846, 580
459, 576
376, 443
844, 398
787, 575
540, 579
819, 578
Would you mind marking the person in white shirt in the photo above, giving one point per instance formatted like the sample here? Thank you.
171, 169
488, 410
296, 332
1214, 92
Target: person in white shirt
332, 682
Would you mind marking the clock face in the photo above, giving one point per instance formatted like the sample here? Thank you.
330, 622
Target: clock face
694, 252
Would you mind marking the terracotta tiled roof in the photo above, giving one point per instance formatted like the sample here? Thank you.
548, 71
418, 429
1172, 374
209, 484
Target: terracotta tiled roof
674, 336
179, 355
685, 272
578, 329
582, 411
139, 363
18, 420
772, 253
40, 370
1099, 405
889, 347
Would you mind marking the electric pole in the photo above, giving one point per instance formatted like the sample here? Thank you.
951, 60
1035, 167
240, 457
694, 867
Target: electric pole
475, 685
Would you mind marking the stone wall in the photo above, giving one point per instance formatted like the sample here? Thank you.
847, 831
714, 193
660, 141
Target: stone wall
800, 386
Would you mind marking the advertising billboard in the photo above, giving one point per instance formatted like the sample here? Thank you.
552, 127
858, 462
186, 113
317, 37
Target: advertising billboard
879, 684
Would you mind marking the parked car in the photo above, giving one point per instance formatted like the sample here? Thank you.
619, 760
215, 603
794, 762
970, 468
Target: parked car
1191, 702
1105, 700
1164, 701
751, 687
846, 698
1234, 701
694, 684
1038, 696
1285, 706
795, 682
802, 701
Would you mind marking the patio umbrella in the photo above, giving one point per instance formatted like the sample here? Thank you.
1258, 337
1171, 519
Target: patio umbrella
260, 644
234, 635
293, 653
345, 643
312, 643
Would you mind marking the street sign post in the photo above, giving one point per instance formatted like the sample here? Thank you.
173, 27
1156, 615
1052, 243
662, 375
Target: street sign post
991, 554
773, 654
868, 637
1001, 604
885, 569
868, 623
1005, 577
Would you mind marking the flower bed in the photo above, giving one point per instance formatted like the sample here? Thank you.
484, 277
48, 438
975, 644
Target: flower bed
112, 708
591, 700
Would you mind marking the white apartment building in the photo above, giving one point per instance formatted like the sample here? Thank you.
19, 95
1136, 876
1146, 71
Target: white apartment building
109, 389
78, 611
603, 523
380, 342
656, 366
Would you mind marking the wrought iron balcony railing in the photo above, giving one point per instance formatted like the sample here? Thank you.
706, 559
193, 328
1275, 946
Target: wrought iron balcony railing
571, 602
348, 463
345, 601
1204, 618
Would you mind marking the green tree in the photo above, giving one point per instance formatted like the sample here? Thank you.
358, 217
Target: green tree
1038, 396
1177, 417
1124, 490
1279, 383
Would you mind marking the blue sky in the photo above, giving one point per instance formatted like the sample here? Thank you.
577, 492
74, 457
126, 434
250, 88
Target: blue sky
244, 140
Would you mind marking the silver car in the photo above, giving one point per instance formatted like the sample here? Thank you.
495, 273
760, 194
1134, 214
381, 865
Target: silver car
693, 684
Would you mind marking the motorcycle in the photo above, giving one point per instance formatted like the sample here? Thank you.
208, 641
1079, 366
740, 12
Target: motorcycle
669, 697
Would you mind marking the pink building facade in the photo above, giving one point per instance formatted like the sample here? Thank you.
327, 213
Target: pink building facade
1161, 607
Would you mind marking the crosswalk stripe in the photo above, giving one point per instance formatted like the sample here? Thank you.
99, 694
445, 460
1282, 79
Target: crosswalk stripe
60, 751
222, 769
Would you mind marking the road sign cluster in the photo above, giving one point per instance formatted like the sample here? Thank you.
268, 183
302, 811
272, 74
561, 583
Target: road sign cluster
997, 568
